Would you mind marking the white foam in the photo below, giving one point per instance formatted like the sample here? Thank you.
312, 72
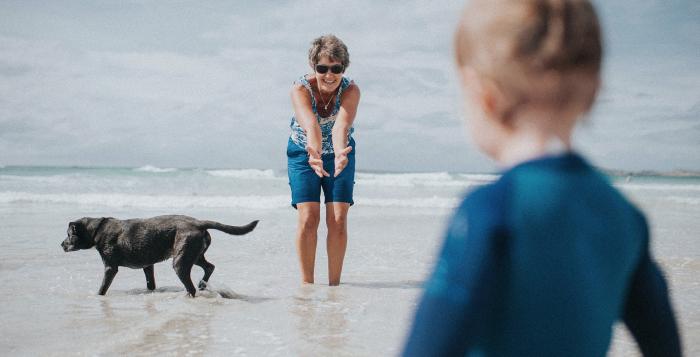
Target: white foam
432, 179
154, 169
220, 289
693, 201
53, 179
426, 202
244, 173
148, 201
482, 178
181, 201
658, 186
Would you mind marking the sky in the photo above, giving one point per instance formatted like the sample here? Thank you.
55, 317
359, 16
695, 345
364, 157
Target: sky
206, 83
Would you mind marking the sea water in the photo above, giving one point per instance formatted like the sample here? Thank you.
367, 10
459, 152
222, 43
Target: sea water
254, 304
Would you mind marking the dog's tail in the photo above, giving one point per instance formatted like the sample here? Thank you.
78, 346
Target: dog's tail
237, 230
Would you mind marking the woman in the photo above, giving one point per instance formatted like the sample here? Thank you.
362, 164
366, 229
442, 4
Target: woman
321, 153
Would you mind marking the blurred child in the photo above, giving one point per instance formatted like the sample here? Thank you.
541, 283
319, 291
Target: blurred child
545, 260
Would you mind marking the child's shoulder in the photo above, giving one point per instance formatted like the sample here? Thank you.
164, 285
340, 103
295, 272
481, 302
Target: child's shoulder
485, 204
488, 195
550, 187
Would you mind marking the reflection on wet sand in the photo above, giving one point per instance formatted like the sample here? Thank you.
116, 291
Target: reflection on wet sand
405, 284
185, 333
322, 324
110, 316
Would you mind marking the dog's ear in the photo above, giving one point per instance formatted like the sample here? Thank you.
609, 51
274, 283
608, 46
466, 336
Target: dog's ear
73, 227
77, 227
82, 230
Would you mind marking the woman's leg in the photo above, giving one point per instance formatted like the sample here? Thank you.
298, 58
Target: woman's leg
309, 216
337, 241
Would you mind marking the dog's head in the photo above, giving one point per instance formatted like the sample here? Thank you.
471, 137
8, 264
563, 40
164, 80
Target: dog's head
81, 234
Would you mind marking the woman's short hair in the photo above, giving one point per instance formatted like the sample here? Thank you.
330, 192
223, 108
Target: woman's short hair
331, 47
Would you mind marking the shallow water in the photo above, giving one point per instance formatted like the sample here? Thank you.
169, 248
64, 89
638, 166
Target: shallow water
254, 304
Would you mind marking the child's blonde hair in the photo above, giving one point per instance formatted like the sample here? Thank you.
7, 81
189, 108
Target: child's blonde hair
537, 52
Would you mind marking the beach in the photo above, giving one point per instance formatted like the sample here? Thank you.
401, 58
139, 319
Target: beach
255, 304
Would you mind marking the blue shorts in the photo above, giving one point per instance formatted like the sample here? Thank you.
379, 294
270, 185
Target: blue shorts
306, 185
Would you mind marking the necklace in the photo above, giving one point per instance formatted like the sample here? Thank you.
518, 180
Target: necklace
330, 100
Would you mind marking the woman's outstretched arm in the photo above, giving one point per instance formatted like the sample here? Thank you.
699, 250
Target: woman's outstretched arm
343, 123
301, 102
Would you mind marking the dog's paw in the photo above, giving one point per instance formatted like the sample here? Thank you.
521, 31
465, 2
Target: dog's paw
202, 285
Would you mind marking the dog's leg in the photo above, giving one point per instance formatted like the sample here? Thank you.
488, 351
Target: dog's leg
208, 269
110, 272
183, 269
182, 263
202, 262
188, 248
150, 277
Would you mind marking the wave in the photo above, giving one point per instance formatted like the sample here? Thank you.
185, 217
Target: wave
484, 178
439, 179
244, 173
148, 201
154, 169
182, 201
658, 187
430, 202
53, 179
692, 201
146, 176
432, 179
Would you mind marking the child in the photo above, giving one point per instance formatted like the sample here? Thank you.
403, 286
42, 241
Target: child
545, 260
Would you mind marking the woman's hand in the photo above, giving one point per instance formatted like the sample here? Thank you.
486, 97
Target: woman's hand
341, 160
316, 162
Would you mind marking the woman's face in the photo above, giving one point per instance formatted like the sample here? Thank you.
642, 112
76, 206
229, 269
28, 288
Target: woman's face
328, 81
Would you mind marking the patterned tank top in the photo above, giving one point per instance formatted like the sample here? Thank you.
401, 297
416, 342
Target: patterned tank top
298, 134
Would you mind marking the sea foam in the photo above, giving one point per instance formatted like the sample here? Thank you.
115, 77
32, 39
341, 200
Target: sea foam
658, 187
147, 201
431, 179
251, 174
154, 169
194, 201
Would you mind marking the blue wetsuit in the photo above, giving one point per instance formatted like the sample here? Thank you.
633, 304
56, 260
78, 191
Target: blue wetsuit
543, 262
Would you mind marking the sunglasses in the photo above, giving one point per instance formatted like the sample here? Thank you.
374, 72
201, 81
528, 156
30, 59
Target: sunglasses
335, 69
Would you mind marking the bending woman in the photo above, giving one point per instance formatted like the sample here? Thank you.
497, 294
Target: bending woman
321, 154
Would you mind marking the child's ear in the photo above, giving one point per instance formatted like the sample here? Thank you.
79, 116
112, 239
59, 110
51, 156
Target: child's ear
488, 98
472, 85
484, 92
495, 103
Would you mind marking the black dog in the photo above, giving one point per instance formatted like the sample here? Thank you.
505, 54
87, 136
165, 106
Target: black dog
140, 243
